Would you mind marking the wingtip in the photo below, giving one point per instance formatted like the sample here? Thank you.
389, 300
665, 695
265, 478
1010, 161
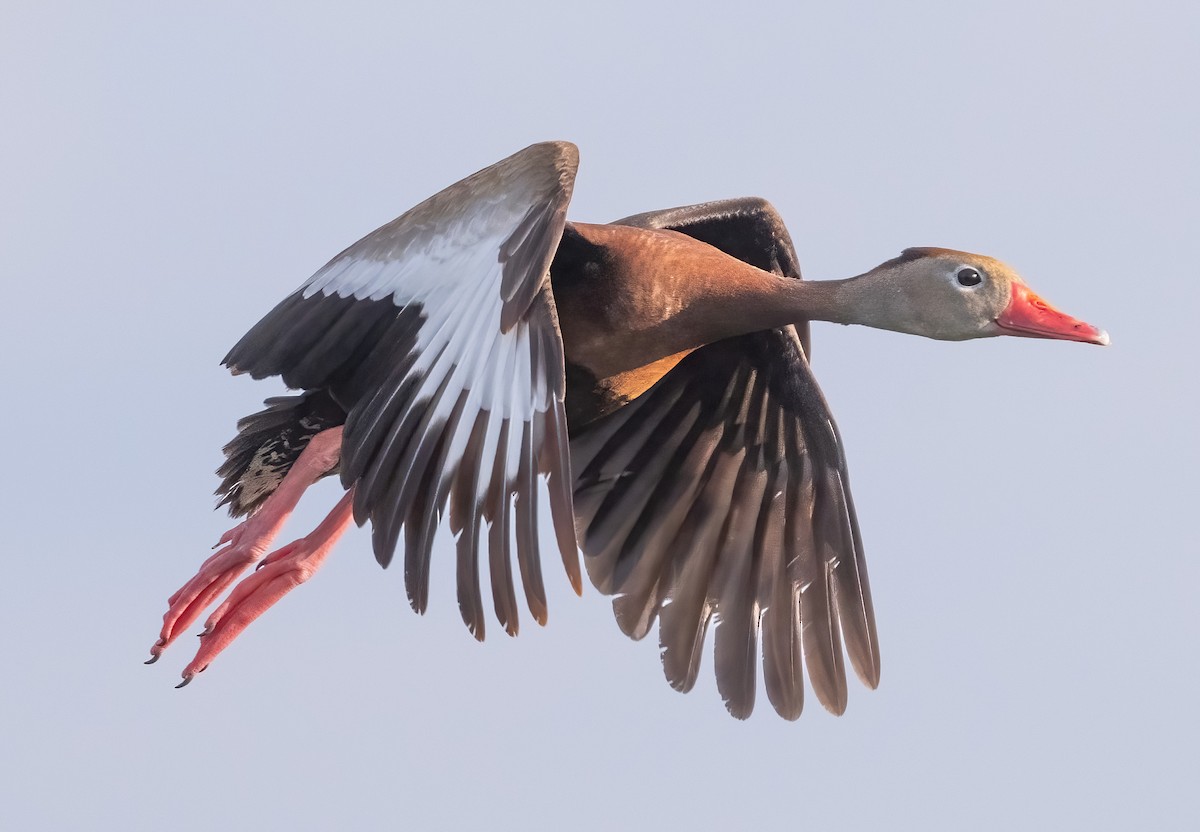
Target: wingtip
837, 708
739, 711
419, 605
866, 664
791, 714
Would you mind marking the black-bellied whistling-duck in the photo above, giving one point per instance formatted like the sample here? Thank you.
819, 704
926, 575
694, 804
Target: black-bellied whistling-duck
653, 370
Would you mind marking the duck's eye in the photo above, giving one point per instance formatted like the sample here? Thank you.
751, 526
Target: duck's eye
968, 277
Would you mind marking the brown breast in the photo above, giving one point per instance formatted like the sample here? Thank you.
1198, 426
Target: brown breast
589, 398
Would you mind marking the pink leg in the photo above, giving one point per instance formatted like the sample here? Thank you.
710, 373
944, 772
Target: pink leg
249, 541
282, 571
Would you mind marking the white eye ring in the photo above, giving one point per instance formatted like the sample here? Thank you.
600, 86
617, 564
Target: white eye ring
968, 277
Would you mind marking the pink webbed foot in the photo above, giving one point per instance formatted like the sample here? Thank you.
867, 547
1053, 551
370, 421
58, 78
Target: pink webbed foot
248, 542
280, 572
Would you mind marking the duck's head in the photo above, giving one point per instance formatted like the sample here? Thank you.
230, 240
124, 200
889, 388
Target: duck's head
954, 295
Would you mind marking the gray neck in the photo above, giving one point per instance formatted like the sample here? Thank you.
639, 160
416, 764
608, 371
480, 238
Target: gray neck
854, 300
745, 300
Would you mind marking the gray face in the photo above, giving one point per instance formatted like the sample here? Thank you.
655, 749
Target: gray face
946, 294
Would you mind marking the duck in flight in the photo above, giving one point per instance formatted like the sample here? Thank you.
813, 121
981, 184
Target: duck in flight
653, 372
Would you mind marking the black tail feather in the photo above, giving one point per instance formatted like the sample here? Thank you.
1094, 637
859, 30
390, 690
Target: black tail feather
267, 445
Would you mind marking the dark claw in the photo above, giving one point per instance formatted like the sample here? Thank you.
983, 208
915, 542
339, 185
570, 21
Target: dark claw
208, 628
156, 650
184, 683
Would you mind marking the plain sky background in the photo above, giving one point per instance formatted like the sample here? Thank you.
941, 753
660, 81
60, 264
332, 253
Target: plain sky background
168, 174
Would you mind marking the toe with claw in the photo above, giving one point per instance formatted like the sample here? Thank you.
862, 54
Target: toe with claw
281, 571
246, 544
243, 545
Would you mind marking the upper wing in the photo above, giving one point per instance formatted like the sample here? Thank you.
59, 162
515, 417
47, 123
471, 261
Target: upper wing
723, 490
437, 334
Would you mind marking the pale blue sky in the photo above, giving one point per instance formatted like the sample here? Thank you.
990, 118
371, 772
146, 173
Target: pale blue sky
1028, 507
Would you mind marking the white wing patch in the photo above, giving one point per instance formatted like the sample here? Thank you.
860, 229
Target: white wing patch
454, 388
458, 289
